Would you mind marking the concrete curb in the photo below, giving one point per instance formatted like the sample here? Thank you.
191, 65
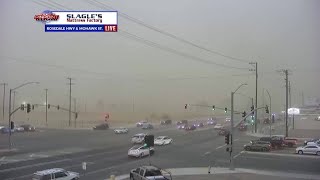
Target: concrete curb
217, 170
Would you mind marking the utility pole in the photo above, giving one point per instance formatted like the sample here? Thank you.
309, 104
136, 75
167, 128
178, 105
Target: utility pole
70, 84
46, 107
286, 73
255, 65
75, 111
287, 88
290, 105
3, 98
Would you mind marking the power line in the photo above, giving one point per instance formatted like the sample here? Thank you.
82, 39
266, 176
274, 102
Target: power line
164, 48
21, 60
137, 21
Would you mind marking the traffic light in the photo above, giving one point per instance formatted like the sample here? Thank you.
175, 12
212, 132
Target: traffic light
149, 140
252, 108
227, 138
244, 114
213, 107
48, 106
22, 107
28, 108
58, 107
225, 110
185, 106
267, 109
11, 125
76, 115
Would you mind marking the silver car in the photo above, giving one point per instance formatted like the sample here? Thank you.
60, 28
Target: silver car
138, 138
308, 149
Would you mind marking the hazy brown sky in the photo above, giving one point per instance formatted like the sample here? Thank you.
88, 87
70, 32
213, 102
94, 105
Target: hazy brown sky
116, 69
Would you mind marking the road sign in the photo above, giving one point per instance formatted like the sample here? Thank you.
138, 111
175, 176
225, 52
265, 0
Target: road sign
84, 165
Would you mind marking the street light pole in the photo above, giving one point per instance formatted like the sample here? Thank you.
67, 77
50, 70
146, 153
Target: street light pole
10, 92
270, 111
231, 130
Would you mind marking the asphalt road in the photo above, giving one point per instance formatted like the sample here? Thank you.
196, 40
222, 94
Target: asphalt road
106, 153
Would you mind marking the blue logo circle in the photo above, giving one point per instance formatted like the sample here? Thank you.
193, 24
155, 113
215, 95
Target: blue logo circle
46, 12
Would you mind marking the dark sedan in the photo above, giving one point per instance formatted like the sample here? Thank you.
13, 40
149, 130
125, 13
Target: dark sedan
200, 125
28, 127
104, 126
190, 128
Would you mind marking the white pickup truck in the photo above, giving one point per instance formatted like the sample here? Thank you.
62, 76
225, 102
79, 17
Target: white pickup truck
149, 173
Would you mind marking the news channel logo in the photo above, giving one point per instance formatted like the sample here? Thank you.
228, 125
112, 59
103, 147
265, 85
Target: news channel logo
46, 16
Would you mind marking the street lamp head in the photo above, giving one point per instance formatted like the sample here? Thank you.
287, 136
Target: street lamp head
240, 87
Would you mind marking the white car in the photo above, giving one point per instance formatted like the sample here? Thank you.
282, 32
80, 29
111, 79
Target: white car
138, 138
140, 151
121, 130
218, 126
308, 149
162, 140
55, 173
315, 143
18, 129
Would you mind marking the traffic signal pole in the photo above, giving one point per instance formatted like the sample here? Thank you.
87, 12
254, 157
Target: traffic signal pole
9, 137
231, 135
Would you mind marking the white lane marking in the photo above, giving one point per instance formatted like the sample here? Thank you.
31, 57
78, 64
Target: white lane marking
34, 165
234, 157
221, 146
206, 153
38, 155
2, 159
